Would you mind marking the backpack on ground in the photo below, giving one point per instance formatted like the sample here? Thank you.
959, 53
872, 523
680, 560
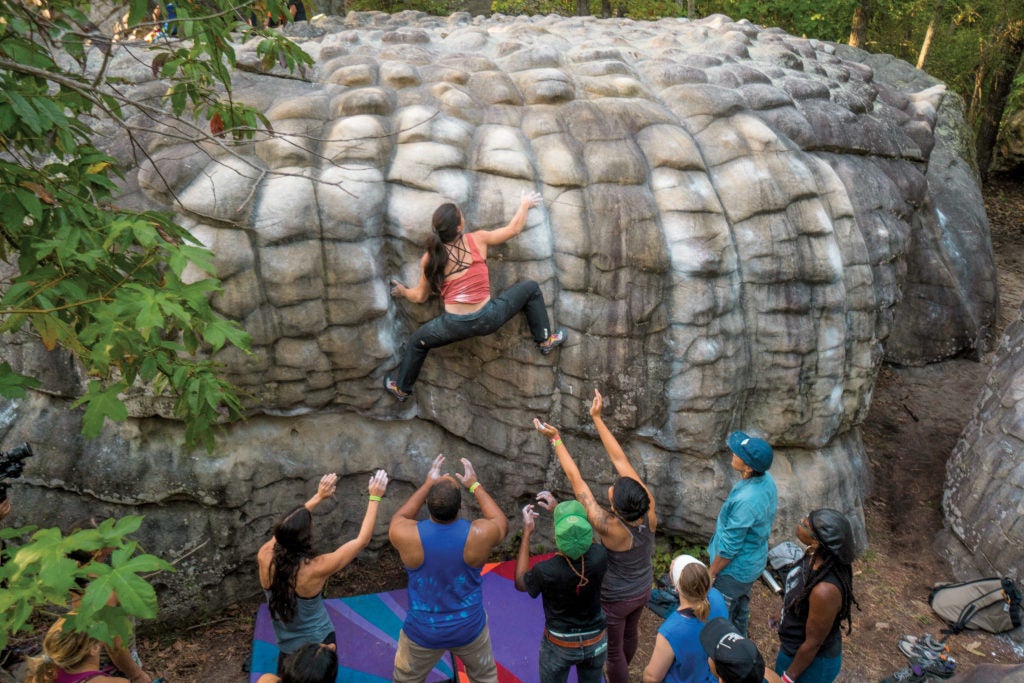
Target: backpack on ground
992, 604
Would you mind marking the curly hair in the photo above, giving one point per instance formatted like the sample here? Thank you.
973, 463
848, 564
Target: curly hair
294, 536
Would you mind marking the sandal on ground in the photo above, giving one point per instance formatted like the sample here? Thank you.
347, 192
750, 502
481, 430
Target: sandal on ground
557, 338
392, 388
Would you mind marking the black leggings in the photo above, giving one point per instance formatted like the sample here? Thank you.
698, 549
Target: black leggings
448, 327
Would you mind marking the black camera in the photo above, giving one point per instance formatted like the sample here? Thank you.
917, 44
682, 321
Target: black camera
12, 463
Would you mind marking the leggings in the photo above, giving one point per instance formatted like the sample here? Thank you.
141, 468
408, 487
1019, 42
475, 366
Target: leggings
623, 620
448, 327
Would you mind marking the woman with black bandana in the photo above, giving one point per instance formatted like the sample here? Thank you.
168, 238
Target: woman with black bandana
818, 598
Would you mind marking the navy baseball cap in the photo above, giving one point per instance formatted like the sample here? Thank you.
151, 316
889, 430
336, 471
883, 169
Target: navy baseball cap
754, 451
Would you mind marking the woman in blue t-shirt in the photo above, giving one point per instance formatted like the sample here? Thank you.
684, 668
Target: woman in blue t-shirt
678, 656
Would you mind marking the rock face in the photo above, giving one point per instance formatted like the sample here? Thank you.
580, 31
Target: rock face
730, 214
985, 475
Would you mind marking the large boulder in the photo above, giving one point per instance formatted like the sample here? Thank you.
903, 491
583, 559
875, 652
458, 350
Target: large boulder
729, 218
982, 501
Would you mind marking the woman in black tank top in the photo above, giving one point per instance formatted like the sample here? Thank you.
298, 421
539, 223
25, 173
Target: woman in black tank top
628, 534
818, 598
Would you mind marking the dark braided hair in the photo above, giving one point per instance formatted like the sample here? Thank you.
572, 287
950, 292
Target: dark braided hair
445, 222
812, 577
294, 536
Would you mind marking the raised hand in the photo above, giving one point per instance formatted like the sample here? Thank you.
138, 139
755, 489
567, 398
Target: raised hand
545, 429
328, 485
596, 405
530, 199
378, 483
435, 468
529, 518
547, 501
469, 478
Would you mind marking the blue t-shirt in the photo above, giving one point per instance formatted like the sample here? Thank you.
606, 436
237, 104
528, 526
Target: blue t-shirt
682, 631
743, 527
445, 601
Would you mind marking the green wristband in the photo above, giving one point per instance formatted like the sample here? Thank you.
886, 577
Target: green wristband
374, 499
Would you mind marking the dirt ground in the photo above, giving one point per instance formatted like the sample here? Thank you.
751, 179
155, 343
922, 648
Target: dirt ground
916, 417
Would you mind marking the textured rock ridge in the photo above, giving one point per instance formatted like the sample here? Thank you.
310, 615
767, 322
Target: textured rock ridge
729, 216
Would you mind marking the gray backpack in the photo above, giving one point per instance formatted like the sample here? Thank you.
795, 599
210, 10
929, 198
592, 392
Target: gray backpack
992, 604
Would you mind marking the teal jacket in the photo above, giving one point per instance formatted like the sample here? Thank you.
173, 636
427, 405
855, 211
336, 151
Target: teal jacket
744, 524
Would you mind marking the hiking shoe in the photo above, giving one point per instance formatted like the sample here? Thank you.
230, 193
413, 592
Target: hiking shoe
916, 649
942, 668
910, 674
392, 388
557, 338
922, 646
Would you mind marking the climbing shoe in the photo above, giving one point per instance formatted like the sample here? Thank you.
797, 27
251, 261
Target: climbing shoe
557, 338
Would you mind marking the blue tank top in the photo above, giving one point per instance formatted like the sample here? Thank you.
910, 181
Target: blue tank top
445, 601
311, 624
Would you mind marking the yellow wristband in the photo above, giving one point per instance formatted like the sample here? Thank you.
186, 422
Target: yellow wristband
556, 442
474, 487
375, 499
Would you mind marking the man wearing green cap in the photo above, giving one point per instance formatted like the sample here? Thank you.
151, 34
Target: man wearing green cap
570, 588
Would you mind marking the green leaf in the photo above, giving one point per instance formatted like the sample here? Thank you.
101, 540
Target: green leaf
101, 402
14, 385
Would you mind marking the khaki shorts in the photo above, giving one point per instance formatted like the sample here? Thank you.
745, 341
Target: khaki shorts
413, 662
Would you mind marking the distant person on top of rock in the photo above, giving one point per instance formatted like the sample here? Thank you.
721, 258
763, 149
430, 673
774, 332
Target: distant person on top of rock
443, 556
293, 576
739, 548
628, 534
455, 267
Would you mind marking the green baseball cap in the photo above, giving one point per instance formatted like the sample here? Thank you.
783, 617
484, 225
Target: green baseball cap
573, 533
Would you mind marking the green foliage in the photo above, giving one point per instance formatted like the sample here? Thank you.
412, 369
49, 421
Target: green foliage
105, 283
666, 549
39, 575
822, 19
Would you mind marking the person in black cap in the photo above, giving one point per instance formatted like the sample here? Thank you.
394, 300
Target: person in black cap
819, 593
733, 658
739, 548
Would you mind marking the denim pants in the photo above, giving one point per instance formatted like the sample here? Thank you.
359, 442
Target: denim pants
448, 328
737, 600
556, 661
821, 670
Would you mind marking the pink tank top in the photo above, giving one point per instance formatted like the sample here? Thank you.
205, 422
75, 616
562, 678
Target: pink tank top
474, 286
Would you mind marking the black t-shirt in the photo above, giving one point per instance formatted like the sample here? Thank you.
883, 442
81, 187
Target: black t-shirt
569, 608
300, 10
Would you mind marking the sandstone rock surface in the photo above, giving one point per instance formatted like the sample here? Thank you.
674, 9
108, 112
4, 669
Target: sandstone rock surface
984, 498
731, 217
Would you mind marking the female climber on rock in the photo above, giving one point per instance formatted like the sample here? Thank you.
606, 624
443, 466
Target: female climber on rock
455, 267
293, 576
628, 534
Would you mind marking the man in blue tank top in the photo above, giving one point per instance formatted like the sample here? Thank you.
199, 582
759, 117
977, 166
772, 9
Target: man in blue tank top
443, 556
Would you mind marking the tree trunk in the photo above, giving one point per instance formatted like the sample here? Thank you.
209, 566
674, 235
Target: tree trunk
929, 35
582, 8
606, 8
859, 26
691, 9
992, 88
